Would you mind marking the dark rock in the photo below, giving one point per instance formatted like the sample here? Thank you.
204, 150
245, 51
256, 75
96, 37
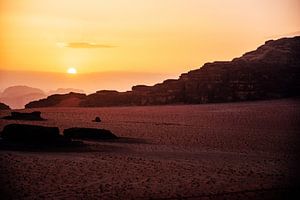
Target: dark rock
97, 119
4, 106
30, 133
271, 71
24, 137
33, 116
88, 133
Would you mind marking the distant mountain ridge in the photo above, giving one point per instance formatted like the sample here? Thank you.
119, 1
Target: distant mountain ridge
20, 90
17, 96
271, 71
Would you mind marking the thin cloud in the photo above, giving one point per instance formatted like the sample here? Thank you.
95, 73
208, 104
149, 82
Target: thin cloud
83, 45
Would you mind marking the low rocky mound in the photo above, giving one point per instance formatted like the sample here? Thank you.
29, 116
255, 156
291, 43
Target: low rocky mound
33, 116
25, 133
59, 100
271, 71
88, 133
4, 106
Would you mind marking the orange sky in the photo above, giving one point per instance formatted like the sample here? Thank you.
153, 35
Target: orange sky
166, 37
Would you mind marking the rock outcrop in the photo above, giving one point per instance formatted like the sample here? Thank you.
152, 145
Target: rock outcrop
25, 133
4, 106
59, 100
88, 133
33, 137
33, 116
271, 71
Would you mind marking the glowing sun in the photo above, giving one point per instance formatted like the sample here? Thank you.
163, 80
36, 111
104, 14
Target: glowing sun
72, 70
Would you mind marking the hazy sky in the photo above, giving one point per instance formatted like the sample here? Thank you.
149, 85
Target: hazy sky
155, 36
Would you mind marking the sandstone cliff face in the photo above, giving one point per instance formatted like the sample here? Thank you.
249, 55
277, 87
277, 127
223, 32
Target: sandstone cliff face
271, 71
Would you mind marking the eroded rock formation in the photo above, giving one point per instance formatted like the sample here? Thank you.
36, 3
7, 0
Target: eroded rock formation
271, 71
33, 116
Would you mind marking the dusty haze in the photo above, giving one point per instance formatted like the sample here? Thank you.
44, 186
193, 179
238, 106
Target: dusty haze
91, 82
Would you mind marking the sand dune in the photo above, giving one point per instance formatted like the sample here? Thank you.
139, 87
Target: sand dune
216, 151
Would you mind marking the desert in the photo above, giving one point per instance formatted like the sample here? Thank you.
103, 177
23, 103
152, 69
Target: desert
245, 150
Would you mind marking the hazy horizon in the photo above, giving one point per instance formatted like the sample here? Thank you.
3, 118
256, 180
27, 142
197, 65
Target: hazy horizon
110, 80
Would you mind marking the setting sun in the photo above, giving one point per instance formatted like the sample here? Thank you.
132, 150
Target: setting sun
72, 70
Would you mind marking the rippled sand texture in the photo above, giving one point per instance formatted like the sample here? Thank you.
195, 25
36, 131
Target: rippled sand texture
216, 151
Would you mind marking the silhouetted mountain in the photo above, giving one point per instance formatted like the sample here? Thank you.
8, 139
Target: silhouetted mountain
4, 106
20, 90
18, 96
271, 71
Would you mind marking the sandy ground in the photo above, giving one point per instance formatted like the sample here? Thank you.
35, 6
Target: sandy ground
218, 151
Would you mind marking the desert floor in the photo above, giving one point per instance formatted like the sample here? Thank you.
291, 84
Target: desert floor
216, 151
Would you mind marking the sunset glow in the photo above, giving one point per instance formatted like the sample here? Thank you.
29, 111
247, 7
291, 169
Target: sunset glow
160, 37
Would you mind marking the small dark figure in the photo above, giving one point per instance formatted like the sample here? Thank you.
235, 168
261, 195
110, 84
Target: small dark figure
97, 119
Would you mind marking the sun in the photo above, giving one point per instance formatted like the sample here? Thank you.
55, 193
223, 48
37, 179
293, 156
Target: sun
72, 70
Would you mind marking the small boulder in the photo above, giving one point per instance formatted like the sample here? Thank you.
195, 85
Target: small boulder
33, 116
89, 133
97, 119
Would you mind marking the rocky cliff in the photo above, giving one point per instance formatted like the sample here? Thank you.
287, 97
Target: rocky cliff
271, 71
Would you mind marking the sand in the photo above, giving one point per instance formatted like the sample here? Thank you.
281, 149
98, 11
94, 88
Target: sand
216, 151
